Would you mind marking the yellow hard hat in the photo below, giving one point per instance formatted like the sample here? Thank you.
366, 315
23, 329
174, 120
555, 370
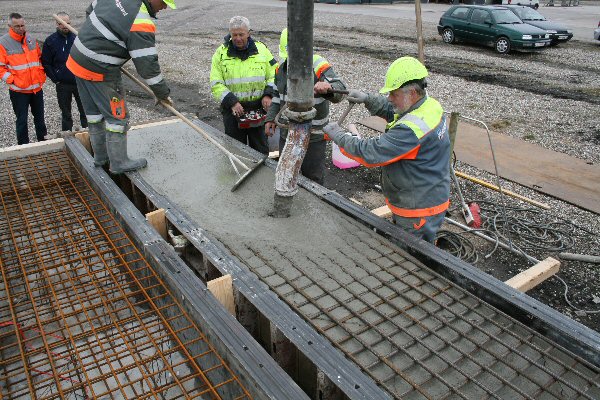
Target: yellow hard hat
283, 42
403, 70
170, 3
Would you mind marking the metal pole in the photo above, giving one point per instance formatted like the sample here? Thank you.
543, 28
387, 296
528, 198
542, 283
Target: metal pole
300, 99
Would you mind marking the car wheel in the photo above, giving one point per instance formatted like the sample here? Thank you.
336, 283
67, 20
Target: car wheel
536, 6
448, 35
502, 45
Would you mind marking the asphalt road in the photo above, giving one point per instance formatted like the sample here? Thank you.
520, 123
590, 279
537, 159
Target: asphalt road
582, 19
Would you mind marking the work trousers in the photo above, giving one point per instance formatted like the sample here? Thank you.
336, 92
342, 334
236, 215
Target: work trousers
65, 93
21, 103
422, 227
254, 137
313, 165
104, 100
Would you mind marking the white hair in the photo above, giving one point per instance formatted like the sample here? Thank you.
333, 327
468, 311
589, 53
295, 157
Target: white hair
239, 22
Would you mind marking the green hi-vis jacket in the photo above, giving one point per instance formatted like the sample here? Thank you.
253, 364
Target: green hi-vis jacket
414, 154
242, 75
323, 71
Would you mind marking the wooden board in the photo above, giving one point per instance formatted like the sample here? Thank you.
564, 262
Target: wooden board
383, 211
84, 138
222, 289
30, 149
535, 275
158, 220
558, 175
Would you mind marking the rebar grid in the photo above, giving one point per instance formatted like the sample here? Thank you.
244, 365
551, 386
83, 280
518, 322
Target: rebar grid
414, 332
82, 314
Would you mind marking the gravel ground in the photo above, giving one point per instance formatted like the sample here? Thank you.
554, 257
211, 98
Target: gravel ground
549, 98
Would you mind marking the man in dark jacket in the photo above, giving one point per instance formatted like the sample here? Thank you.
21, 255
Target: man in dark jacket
54, 57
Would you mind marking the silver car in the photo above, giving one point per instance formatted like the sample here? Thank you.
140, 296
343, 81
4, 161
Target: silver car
597, 32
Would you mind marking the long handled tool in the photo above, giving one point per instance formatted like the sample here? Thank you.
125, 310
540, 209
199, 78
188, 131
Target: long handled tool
247, 171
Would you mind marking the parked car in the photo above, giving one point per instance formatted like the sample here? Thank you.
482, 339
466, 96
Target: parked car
529, 3
597, 32
491, 25
558, 32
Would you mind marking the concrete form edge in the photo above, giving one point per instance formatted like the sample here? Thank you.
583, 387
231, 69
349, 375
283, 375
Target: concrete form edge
232, 341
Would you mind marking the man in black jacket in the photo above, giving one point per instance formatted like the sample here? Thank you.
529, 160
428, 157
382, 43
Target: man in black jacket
54, 57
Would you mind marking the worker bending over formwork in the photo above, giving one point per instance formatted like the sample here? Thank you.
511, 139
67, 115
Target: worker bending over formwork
114, 32
414, 151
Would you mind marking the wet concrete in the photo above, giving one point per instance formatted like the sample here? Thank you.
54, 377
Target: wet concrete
409, 329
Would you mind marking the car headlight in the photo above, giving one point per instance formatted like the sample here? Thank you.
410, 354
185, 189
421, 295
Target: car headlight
527, 37
551, 31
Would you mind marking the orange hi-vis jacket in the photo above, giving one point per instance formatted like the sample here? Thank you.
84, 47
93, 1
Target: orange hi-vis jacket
20, 63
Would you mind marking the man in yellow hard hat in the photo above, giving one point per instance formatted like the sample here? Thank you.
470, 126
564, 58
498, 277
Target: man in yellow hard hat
114, 32
414, 151
325, 79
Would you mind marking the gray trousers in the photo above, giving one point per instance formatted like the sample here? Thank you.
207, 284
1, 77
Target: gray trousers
104, 101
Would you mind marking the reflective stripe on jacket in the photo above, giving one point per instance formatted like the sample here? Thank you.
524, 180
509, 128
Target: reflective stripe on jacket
114, 32
234, 79
20, 63
414, 154
323, 71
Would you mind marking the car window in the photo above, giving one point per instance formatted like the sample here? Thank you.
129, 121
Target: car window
529, 14
460, 12
505, 17
478, 16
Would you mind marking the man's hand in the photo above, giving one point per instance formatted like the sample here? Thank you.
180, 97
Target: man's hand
322, 88
270, 128
332, 130
237, 110
356, 96
266, 102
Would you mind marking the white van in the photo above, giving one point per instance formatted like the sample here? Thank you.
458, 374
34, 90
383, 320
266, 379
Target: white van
535, 4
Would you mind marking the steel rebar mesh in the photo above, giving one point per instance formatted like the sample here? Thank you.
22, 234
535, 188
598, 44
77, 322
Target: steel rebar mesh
82, 314
414, 332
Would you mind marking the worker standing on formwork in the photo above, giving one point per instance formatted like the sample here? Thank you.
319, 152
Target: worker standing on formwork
114, 32
325, 79
242, 77
414, 151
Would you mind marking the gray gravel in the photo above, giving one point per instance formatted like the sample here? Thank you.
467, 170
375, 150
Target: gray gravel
361, 48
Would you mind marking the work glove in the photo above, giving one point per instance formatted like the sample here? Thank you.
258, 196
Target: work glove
356, 96
332, 130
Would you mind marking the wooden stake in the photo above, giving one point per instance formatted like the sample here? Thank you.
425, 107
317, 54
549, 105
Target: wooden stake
222, 289
383, 211
420, 41
535, 275
158, 220
84, 138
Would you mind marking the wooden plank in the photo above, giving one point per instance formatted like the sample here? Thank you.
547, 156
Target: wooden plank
222, 289
383, 211
169, 120
84, 138
274, 154
535, 275
158, 220
31, 149
352, 199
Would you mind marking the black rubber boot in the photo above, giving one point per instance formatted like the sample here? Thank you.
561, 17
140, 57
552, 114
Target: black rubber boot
98, 140
116, 144
281, 206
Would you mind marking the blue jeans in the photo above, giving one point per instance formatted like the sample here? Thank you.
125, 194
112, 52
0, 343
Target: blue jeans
21, 103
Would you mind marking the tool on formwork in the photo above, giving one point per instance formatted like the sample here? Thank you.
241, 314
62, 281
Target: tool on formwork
300, 110
244, 171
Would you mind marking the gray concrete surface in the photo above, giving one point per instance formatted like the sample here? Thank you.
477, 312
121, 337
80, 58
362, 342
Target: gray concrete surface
408, 328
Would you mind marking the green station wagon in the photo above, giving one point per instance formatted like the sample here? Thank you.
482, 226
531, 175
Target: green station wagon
491, 25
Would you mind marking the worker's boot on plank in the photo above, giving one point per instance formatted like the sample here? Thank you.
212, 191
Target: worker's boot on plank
281, 206
98, 140
116, 144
